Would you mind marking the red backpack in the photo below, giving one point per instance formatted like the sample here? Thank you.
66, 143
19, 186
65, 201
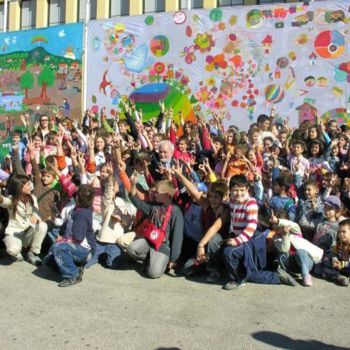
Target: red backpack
155, 235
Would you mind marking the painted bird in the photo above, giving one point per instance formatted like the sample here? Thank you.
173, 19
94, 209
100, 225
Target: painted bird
104, 83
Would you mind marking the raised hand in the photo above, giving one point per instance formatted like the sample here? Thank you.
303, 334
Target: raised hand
177, 168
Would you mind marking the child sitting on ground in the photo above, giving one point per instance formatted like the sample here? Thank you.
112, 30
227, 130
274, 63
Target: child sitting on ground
337, 268
295, 254
79, 242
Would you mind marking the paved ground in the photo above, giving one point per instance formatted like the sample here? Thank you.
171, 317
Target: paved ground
122, 310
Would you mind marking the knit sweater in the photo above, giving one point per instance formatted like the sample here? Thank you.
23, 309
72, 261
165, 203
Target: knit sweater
244, 220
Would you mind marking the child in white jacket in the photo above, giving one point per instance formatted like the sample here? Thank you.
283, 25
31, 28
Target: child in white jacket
295, 253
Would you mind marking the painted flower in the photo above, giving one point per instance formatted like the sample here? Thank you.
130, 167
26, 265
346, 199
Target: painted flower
204, 42
169, 74
221, 26
216, 62
159, 67
211, 81
203, 94
184, 80
188, 53
226, 88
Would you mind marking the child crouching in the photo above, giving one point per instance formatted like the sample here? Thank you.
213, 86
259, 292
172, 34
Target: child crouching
337, 269
79, 242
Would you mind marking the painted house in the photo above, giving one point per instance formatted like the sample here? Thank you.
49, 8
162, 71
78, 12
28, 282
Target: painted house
312, 58
267, 43
306, 111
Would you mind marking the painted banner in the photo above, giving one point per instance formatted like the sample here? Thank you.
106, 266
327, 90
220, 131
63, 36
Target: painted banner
239, 61
40, 72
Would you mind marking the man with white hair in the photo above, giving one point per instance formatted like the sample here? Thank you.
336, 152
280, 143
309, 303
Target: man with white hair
163, 158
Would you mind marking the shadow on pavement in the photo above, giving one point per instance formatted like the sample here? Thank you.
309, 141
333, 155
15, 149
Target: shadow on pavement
284, 342
47, 273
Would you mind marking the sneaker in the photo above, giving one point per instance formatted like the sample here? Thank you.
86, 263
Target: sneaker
33, 258
343, 281
285, 277
232, 285
307, 280
70, 281
81, 272
213, 276
19, 257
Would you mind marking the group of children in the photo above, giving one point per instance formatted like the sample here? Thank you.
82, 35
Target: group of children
266, 206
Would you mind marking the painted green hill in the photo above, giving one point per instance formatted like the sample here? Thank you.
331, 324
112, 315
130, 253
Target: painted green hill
14, 60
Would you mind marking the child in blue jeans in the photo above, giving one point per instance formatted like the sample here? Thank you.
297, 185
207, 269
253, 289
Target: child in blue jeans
79, 242
336, 268
293, 250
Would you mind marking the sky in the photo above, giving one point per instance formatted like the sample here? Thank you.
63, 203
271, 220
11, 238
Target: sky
59, 39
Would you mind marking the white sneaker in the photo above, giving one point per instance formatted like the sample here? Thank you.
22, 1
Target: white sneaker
19, 257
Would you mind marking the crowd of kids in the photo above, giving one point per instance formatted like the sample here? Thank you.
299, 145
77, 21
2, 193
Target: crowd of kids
270, 205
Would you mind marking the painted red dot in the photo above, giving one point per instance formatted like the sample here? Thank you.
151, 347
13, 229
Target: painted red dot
244, 97
233, 37
234, 103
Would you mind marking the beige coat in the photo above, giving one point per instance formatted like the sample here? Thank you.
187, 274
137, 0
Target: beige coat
21, 221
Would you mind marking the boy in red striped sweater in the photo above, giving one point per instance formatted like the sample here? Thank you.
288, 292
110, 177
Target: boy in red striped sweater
244, 249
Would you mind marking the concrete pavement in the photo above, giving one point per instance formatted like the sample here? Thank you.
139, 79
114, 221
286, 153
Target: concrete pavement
123, 310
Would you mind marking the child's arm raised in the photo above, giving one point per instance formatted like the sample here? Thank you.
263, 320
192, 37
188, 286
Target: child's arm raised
191, 188
139, 204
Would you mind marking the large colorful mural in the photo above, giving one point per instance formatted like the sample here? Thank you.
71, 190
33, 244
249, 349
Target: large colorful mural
41, 71
239, 62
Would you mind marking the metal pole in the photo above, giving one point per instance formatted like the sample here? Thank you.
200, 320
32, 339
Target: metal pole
189, 4
86, 21
5, 15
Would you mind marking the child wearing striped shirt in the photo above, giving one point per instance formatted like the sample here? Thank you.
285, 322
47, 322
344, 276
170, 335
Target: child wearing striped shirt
244, 248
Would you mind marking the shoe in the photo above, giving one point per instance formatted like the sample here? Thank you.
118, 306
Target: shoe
19, 257
70, 281
342, 281
33, 258
307, 280
81, 272
232, 285
213, 276
285, 277
172, 273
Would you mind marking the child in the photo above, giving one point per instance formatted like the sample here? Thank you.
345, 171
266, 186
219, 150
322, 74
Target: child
79, 240
48, 196
18, 143
181, 150
337, 269
25, 228
235, 164
215, 218
310, 210
326, 231
280, 200
242, 247
294, 253
141, 250
299, 165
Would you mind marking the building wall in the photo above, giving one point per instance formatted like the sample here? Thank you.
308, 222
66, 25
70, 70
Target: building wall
26, 14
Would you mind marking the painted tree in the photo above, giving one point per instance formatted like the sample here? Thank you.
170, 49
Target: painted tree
27, 82
46, 79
